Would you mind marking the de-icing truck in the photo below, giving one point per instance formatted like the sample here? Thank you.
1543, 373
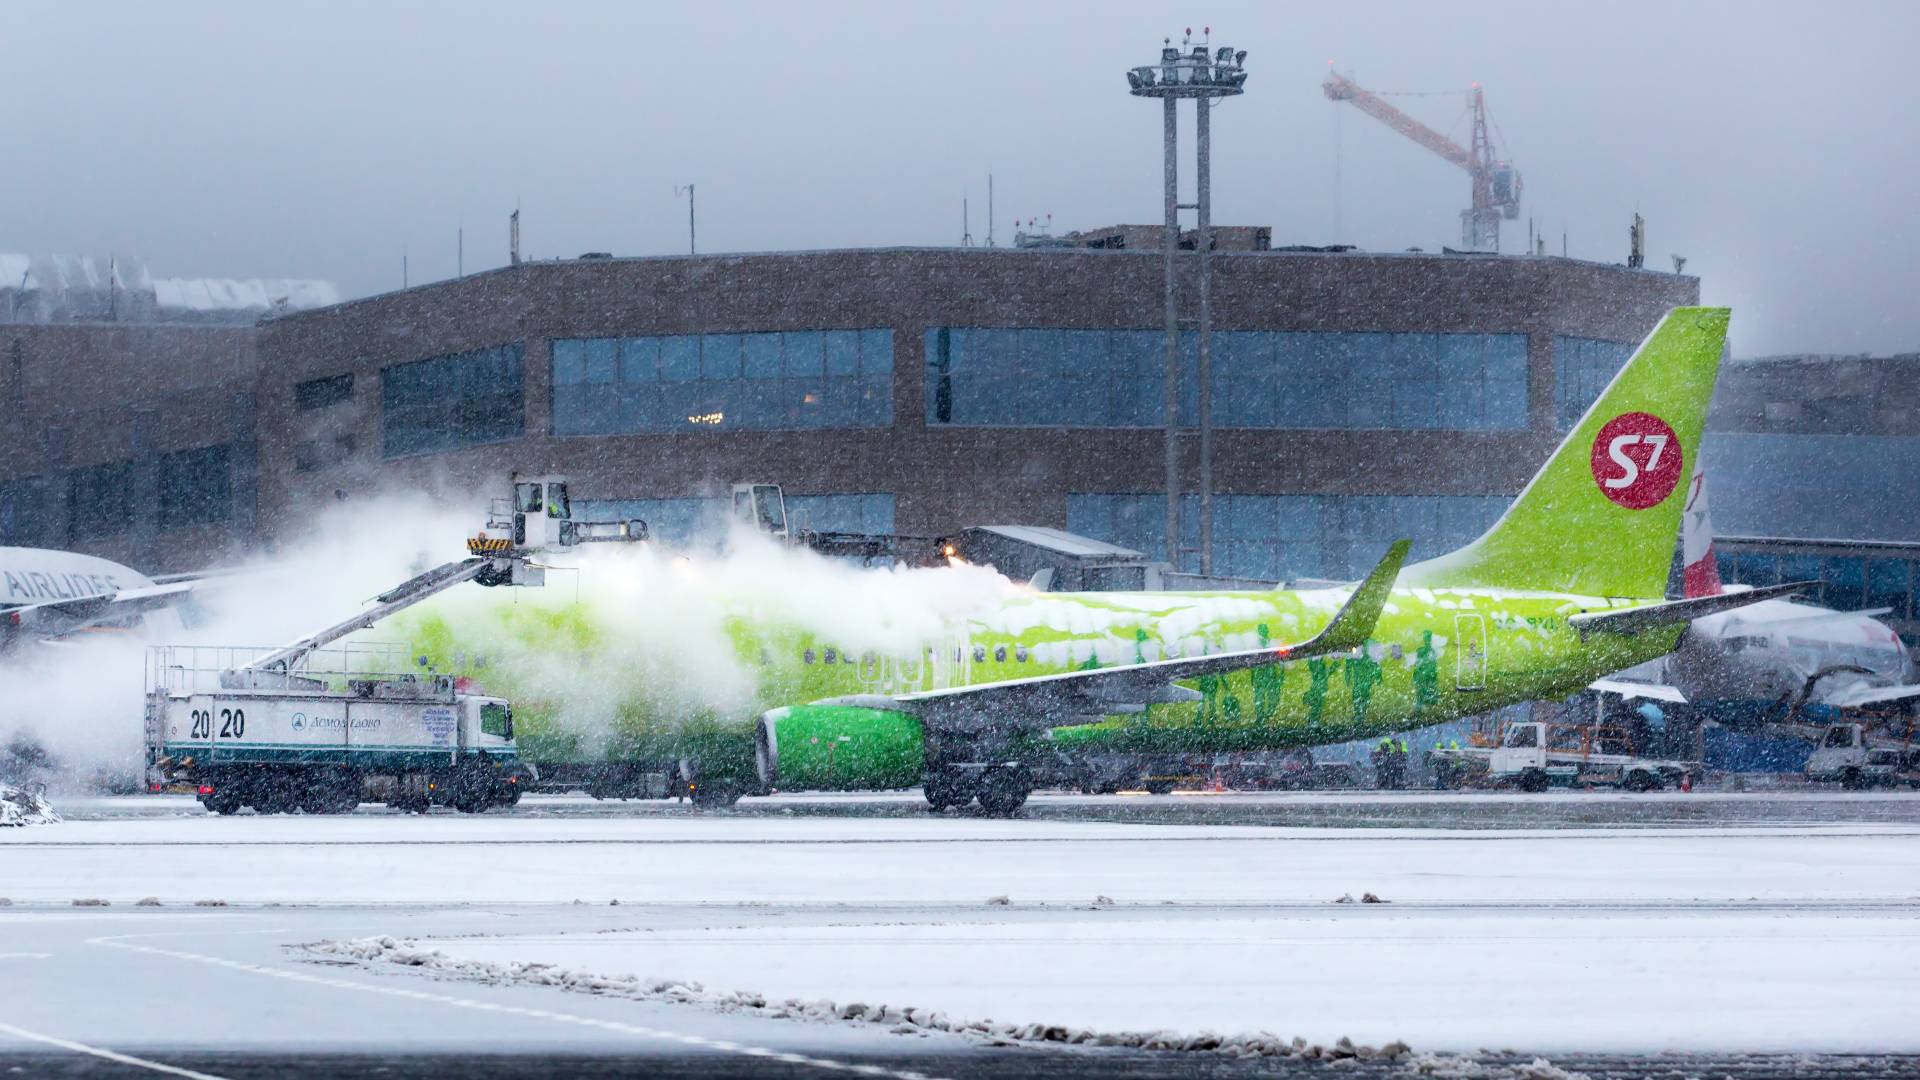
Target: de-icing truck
320, 729
347, 725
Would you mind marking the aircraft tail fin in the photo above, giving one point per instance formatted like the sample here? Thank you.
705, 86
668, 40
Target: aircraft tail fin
1699, 570
1601, 516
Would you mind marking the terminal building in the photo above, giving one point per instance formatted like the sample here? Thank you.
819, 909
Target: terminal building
1357, 398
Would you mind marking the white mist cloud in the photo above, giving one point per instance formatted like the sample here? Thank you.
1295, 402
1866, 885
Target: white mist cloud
652, 625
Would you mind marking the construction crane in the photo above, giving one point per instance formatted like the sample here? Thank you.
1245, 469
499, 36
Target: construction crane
1496, 184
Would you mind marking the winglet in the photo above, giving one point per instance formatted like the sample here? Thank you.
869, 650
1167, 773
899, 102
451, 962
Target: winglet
1353, 624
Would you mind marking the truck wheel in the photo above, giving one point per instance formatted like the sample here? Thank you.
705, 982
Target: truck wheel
1158, 787
1852, 780
1533, 781
274, 795
225, 800
1640, 781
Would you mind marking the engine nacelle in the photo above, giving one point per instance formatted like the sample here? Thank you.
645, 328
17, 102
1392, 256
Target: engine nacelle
849, 744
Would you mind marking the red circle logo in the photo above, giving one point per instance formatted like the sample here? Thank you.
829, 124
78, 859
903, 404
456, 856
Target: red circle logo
1637, 460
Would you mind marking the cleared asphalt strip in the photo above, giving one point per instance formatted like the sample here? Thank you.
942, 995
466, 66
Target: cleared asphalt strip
100, 1052
723, 1045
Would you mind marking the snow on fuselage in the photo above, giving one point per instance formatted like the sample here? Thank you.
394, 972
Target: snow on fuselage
1772, 648
44, 576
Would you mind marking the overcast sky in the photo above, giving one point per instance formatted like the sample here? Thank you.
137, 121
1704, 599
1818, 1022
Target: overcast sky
1771, 144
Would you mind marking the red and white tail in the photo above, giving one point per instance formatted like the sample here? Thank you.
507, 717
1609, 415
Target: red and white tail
1700, 574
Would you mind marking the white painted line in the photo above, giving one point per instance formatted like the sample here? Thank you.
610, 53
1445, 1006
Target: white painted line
109, 1055
26, 956
638, 1030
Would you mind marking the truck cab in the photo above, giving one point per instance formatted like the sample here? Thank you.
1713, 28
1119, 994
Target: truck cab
1844, 756
762, 508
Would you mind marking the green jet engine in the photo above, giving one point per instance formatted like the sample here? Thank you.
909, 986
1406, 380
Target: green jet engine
839, 745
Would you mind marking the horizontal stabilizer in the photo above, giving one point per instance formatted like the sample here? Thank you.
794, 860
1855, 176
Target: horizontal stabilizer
1674, 612
1627, 688
1854, 698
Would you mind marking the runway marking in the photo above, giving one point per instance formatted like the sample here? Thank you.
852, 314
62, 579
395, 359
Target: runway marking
100, 1052
26, 956
642, 1031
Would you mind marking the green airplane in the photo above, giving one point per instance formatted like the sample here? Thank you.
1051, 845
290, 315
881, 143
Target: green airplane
1566, 587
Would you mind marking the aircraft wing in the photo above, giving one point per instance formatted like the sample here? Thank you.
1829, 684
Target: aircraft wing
56, 617
1627, 688
1854, 697
1675, 612
1081, 697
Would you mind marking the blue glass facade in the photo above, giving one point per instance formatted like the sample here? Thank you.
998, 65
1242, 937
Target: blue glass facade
985, 376
1289, 536
445, 402
1582, 367
1860, 487
788, 380
1846, 582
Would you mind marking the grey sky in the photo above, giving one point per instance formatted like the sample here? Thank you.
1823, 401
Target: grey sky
1772, 144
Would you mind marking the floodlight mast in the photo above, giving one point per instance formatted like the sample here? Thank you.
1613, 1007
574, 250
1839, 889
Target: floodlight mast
1189, 72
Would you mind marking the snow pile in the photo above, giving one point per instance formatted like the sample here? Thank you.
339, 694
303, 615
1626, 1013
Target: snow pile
900, 1019
19, 806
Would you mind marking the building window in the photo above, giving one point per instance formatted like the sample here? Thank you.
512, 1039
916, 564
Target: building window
790, 380
23, 513
1261, 379
320, 393
99, 500
451, 401
195, 487
316, 454
1582, 368
871, 514
1276, 537
686, 522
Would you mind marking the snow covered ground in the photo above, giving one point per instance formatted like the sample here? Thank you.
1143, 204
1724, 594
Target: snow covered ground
1791, 937
1543, 979
375, 859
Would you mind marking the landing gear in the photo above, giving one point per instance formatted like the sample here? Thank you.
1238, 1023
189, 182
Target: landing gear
1004, 789
713, 794
947, 788
1001, 789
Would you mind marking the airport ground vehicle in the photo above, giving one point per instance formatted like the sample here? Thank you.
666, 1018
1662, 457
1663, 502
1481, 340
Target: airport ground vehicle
318, 727
325, 737
1848, 754
1535, 756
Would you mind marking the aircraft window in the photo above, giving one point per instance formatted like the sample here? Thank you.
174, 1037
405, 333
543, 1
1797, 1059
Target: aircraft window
979, 654
807, 657
766, 657
833, 655
999, 654
1020, 653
